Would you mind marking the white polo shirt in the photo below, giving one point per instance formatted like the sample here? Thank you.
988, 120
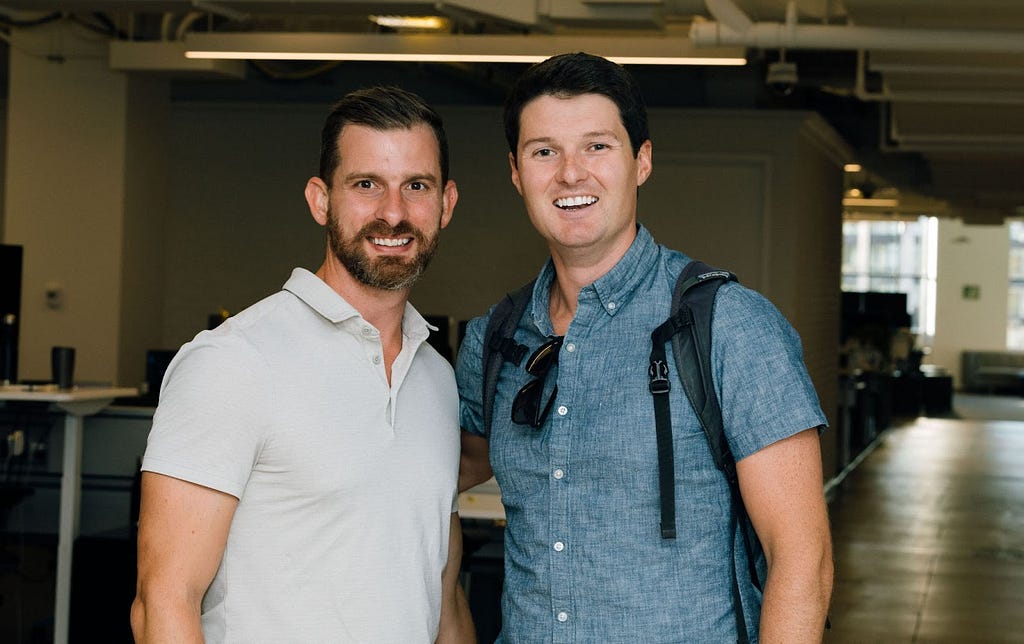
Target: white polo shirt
346, 485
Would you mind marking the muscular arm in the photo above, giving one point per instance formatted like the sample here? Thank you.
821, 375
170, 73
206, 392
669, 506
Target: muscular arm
782, 490
475, 462
456, 621
183, 529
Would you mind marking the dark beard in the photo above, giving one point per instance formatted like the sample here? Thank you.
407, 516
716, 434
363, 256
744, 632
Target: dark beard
384, 273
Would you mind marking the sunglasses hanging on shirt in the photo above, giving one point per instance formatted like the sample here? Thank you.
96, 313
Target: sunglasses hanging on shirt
526, 406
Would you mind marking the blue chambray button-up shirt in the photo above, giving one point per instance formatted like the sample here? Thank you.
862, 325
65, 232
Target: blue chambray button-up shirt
584, 558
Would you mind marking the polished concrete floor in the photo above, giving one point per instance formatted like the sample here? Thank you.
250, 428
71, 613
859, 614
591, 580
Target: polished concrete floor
929, 532
928, 539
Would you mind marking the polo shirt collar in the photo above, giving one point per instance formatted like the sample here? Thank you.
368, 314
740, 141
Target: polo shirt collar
614, 289
319, 296
328, 303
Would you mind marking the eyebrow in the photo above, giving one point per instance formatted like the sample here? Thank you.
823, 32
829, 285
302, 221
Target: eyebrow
585, 135
359, 176
597, 133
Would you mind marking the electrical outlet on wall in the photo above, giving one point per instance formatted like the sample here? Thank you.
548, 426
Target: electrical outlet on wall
54, 293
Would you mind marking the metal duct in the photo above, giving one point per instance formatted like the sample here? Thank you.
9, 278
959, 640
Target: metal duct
789, 35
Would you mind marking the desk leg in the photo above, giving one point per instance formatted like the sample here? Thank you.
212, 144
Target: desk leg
70, 490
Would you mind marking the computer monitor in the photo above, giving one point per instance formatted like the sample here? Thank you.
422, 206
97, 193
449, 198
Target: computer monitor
11, 257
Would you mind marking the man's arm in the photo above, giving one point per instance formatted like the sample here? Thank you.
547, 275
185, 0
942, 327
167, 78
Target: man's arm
782, 490
183, 528
475, 462
456, 621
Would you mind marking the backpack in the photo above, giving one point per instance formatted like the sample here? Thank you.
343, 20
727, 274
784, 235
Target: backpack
688, 327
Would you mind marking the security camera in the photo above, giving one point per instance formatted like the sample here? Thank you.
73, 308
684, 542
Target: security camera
781, 77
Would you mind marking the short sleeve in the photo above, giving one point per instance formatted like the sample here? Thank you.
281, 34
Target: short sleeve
764, 389
469, 375
214, 405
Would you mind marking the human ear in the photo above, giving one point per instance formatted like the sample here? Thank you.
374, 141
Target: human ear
448, 200
317, 198
644, 162
515, 172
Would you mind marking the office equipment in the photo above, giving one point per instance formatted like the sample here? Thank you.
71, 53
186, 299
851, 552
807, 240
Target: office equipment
76, 404
11, 258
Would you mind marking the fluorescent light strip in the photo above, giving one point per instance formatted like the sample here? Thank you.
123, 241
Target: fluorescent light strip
451, 58
409, 22
871, 203
455, 48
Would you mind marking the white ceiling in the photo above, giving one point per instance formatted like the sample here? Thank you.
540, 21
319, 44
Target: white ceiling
946, 77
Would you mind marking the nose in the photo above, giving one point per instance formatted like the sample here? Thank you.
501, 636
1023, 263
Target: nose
572, 170
392, 208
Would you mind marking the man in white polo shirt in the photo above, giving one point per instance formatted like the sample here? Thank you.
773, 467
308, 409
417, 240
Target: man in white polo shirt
299, 481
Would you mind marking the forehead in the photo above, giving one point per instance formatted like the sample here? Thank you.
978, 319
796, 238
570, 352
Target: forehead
414, 149
554, 116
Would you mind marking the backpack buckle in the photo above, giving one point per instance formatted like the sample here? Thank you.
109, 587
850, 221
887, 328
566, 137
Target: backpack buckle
658, 377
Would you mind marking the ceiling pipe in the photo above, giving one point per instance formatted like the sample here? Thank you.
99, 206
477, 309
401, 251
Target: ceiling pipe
963, 97
730, 29
730, 15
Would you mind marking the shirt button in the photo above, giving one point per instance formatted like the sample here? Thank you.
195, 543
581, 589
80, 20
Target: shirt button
570, 347
562, 410
563, 616
367, 331
558, 474
611, 306
559, 546
376, 359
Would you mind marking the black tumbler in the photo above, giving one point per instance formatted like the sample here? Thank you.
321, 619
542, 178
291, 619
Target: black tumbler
62, 361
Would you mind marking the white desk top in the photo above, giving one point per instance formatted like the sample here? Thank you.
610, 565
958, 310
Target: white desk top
51, 393
77, 400
482, 502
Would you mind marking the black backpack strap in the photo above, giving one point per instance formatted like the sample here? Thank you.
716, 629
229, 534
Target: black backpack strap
689, 329
499, 346
691, 308
693, 302
693, 361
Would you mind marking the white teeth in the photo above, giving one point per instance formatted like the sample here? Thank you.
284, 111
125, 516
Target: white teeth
572, 202
386, 241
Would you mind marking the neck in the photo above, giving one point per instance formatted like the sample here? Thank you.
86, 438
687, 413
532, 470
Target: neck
383, 309
574, 270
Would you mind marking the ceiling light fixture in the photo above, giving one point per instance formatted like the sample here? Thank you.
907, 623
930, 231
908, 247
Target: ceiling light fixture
410, 22
452, 48
870, 203
852, 167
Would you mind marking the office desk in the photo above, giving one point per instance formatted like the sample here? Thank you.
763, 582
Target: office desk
76, 404
486, 505
482, 502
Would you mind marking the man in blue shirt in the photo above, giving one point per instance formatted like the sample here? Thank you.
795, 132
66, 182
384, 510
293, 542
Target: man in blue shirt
572, 442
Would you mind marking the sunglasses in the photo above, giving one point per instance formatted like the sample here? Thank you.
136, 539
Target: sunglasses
526, 406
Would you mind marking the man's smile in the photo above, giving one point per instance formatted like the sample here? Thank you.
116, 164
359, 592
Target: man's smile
390, 242
572, 203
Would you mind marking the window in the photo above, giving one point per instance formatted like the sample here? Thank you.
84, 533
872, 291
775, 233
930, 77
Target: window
1015, 303
899, 256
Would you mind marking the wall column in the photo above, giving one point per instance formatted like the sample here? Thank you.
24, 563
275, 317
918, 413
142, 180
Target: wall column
77, 205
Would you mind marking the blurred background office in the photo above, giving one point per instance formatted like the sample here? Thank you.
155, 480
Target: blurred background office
857, 161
